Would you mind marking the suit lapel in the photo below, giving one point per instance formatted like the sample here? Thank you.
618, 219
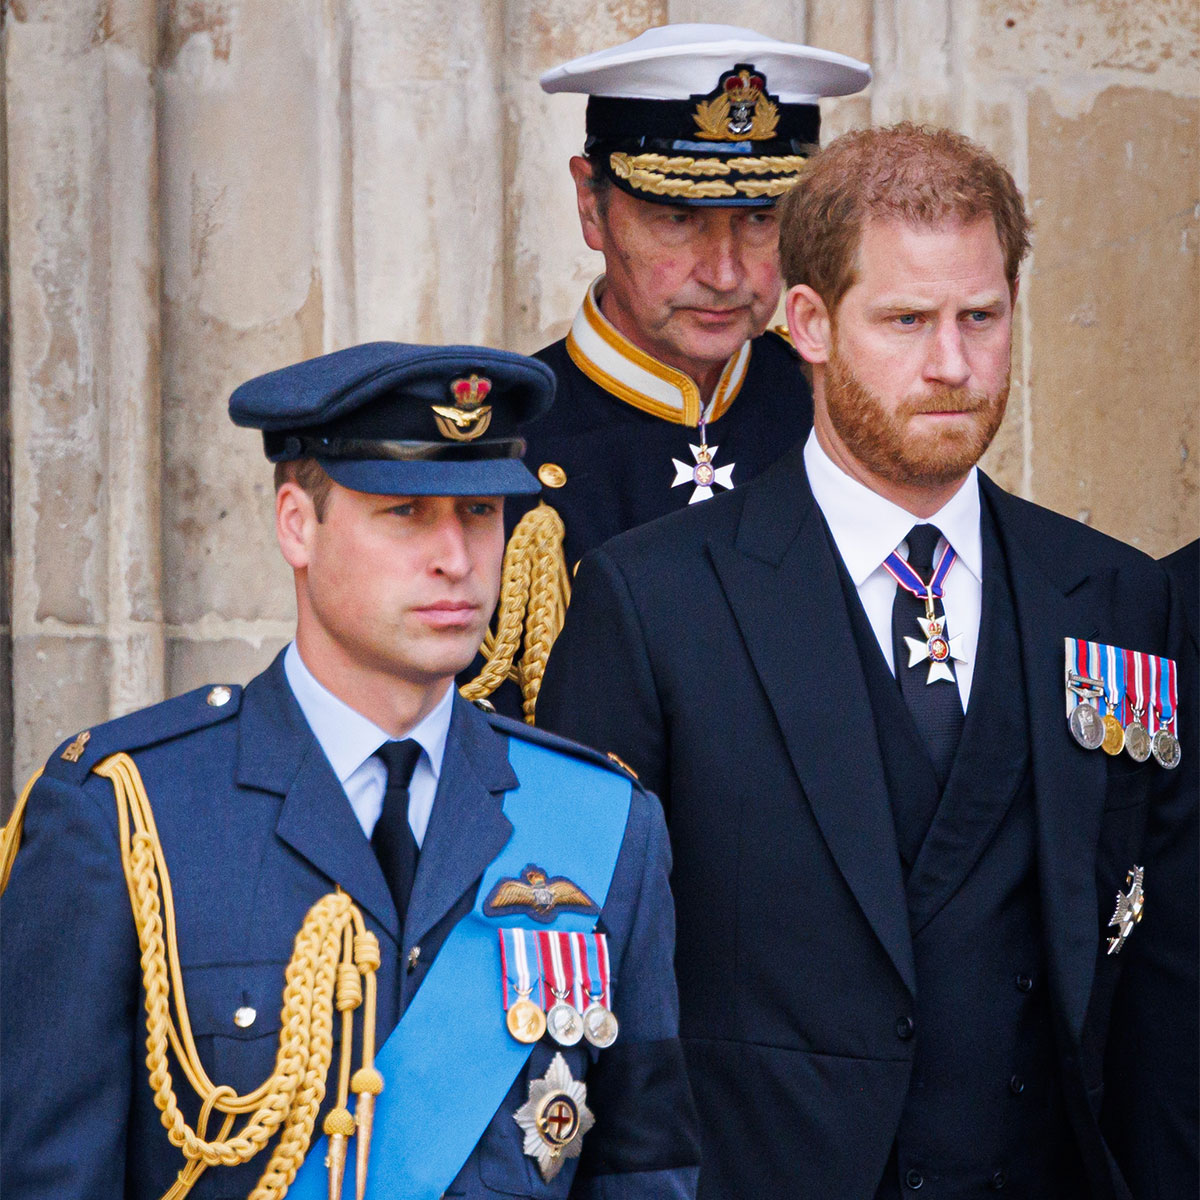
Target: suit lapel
278, 752
780, 578
467, 827
1069, 782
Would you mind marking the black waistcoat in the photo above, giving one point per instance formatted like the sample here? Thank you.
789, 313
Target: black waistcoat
984, 1110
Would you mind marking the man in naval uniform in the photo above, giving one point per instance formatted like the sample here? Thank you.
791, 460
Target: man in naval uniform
908, 889
668, 388
480, 1000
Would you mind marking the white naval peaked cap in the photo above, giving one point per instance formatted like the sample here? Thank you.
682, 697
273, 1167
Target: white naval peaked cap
677, 62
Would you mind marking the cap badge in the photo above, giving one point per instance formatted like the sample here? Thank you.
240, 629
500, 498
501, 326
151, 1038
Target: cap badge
469, 417
737, 109
537, 896
554, 1118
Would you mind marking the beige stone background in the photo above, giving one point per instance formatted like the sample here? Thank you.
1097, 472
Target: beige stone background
197, 191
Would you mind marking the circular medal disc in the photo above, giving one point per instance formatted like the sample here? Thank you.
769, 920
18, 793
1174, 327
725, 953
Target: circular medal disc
564, 1024
599, 1026
1086, 726
1165, 748
1114, 735
526, 1022
704, 474
1137, 741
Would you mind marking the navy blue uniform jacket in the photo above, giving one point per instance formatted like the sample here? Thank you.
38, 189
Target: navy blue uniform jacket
255, 828
713, 651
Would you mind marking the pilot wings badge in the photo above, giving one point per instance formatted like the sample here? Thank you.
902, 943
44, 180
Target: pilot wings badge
537, 895
469, 417
1128, 911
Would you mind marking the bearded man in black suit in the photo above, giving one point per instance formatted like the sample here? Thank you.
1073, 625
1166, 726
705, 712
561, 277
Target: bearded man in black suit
895, 866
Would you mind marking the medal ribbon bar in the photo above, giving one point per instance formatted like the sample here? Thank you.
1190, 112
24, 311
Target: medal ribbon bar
555, 965
521, 969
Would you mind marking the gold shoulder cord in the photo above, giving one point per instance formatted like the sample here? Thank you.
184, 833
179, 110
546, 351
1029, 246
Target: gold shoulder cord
333, 953
535, 589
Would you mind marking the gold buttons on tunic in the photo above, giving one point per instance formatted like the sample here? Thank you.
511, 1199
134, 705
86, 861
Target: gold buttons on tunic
219, 695
245, 1017
552, 475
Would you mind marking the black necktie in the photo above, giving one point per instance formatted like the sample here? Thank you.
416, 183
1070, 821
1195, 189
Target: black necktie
393, 840
936, 707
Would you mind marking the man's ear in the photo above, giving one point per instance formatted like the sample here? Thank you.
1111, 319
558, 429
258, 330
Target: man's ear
295, 524
589, 206
809, 324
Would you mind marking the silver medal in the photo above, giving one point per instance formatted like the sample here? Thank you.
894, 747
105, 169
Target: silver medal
599, 1025
1087, 726
1137, 741
1165, 748
564, 1024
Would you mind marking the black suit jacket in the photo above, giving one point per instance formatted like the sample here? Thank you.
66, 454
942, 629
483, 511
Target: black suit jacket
713, 651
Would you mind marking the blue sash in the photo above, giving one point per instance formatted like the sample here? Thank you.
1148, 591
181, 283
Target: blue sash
449, 1063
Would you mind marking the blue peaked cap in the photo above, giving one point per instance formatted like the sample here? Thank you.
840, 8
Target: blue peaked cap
403, 420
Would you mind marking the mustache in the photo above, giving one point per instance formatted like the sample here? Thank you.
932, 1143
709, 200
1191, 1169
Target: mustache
948, 400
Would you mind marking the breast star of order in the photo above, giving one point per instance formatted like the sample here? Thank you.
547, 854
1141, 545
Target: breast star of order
703, 474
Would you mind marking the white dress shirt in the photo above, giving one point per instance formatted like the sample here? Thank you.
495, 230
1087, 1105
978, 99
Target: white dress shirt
350, 740
866, 528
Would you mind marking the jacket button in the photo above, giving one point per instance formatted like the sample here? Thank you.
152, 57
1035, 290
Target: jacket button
904, 1029
997, 1181
914, 1179
219, 696
1024, 983
1016, 1085
413, 955
245, 1017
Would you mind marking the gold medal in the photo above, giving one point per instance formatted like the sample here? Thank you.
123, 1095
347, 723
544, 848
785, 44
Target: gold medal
526, 1022
1114, 735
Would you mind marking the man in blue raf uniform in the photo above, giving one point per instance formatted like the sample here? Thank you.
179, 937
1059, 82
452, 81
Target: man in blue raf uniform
668, 388
908, 888
340, 931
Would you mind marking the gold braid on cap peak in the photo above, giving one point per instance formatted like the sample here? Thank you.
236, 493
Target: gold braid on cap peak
535, 589
645, 173
333, 956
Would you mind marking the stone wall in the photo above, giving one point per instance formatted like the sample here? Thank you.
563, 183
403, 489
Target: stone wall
198, 191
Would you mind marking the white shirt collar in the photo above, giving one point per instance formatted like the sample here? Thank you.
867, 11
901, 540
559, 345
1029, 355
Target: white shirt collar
866, 528
347, 737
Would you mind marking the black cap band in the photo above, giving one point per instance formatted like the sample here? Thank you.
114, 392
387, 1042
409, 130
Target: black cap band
281, 447
627, 123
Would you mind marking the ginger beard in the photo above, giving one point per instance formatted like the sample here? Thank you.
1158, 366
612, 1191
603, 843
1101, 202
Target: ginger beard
888, 442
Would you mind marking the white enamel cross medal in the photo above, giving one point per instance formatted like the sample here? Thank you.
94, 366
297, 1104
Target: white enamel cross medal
702, 472
936, 647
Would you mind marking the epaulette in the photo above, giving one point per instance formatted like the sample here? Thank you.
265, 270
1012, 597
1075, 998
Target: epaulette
194, 710
542, 737
784, 335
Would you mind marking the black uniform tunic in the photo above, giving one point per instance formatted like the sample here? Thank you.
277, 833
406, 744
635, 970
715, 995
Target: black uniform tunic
617, 457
